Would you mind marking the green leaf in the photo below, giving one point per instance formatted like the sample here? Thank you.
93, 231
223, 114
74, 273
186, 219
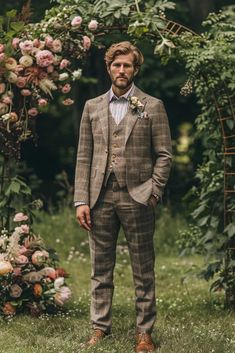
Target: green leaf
17, 26
11, 13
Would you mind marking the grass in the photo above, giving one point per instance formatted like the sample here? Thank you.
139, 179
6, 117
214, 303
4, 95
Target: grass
190, 320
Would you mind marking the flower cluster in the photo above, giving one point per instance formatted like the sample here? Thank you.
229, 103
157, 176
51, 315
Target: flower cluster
29, 278
137, 106
30, 70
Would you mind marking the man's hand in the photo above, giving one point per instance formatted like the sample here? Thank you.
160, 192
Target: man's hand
153, 201
83, 216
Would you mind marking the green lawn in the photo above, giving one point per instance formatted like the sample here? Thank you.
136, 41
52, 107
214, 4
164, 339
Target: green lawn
190, 320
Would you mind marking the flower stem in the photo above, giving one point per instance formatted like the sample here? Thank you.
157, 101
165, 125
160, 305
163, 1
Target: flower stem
137, 6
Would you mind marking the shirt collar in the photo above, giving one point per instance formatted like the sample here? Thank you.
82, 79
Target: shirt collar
126, 95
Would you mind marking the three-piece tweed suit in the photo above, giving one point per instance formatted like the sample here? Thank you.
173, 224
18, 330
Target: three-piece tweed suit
118, 168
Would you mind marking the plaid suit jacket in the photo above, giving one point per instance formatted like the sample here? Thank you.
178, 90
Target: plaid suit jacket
147, 150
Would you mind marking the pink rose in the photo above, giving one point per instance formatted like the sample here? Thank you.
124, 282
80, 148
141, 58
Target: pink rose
33, 112
93, 25
68, 101
2, 88
2, 47
36, 43
86, 42
48, 41
17, 271
18, 68
21, 81
22, 260
66, 88
15, 42
24, 228
50, 69
22, 250
42, 102
62, 295
26, 46
44, 58
13, 117
56, 46
76, 21
2, 57
39, 257
64, 63
7, 100
19, 217
25, 92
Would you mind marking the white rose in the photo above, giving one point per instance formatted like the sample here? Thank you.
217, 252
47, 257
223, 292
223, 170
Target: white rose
77, 74
3, 108
12, 77
63, 76
26, 60
59, 282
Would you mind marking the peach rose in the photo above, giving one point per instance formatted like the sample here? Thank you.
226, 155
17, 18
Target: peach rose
40, 257
67, 101
56, 46
37, 290
25, 92
15, 291
8, 309
5, 267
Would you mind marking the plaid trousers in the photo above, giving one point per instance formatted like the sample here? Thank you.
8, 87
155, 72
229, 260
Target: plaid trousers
116, 208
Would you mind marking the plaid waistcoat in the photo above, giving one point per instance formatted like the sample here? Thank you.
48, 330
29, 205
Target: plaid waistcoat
116, 162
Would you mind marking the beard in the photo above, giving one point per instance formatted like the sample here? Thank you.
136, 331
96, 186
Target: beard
122, 82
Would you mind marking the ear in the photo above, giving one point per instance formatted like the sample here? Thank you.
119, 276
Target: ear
136, 70
108, 69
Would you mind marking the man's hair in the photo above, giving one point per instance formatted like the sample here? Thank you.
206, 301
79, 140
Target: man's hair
124, 48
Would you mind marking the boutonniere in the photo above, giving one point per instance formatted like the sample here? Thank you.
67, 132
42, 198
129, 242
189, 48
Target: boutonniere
138, 107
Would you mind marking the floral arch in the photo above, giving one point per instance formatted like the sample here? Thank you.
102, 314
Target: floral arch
38, 59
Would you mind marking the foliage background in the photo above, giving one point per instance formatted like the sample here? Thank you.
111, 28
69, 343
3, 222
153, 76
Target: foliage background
49, 163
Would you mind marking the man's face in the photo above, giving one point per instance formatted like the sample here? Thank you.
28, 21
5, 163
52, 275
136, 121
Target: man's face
122, 71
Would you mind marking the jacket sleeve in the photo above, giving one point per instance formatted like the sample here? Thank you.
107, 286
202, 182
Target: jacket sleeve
161, 144
84, 158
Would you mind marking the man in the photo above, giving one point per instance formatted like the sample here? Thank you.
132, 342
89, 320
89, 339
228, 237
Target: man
123, 163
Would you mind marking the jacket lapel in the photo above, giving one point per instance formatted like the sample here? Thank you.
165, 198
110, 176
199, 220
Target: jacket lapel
104, 115
132, 116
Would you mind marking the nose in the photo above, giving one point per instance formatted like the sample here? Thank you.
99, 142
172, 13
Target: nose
121, 69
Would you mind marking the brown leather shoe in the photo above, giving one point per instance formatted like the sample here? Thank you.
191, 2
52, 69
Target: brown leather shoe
97, 336
144, 343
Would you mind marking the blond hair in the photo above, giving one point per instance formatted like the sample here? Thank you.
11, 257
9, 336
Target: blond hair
124, 48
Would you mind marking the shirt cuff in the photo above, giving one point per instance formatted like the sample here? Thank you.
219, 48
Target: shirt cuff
79, 203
